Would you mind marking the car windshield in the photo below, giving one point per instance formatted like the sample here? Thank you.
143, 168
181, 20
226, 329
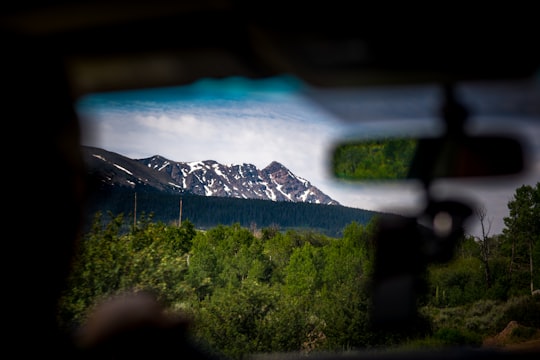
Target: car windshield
217, 198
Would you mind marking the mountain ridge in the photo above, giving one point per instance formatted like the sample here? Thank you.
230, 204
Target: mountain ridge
120, 185
207, 177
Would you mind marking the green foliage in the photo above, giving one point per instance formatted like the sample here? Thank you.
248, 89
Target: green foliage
109, 261
278, 250
522, 236
522, 333
525, 310
480, 317
486, 318
457, 283
236, 320
301, 273
289, 290
206, 212
245, 292
524, 217
468, 247
374, 159
457, 337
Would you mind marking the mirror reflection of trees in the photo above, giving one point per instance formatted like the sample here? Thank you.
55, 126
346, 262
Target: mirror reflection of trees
382, 159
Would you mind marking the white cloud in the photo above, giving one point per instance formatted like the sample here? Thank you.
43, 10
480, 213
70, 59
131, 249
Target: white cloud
284, 127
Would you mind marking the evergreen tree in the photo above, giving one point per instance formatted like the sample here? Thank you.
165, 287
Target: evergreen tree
522, 232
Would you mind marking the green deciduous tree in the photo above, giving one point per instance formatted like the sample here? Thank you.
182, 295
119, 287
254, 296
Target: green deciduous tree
112, 259
457, 283
301, 273
236, 321
342, 299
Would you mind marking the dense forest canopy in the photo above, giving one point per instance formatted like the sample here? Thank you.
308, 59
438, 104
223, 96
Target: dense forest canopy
264, 290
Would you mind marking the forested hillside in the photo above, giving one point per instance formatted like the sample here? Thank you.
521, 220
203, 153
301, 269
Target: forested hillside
208, 211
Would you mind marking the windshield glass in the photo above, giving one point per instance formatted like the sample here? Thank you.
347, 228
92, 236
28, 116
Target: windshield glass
218, 200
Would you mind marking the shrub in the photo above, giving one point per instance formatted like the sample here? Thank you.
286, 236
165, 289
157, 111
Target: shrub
525, 310
522, 333
455, 337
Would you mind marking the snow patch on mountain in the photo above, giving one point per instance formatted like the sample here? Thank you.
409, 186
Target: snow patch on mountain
209, 178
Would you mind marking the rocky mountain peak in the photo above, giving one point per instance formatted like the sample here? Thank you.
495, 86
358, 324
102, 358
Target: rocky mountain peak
274, 166
210, 178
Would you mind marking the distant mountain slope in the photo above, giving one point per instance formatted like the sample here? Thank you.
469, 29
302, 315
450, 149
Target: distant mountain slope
208, 211
210, 178
241, 194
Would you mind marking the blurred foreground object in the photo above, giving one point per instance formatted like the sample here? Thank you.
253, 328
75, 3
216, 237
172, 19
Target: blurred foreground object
131, 325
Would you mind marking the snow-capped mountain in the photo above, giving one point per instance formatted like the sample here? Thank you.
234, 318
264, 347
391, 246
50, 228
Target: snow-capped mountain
210, 178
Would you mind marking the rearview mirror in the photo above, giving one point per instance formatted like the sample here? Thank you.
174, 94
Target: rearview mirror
427, 158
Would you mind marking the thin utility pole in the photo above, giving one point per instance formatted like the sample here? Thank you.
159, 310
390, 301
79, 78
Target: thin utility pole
180, 214
135, 212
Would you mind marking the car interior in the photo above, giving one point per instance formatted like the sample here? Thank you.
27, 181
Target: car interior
55, 52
